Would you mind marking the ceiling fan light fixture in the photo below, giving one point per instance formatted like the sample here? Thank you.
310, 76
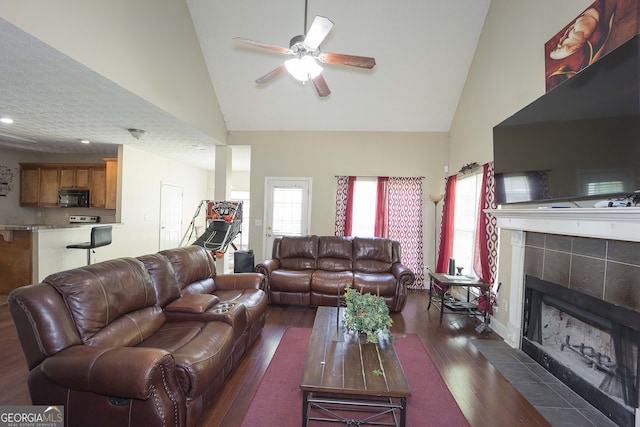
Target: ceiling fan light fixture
303, 68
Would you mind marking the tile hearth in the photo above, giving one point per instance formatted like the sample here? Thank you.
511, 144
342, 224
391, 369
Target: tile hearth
555, 401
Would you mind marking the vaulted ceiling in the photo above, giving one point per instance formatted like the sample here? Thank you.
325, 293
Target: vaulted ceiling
423, 50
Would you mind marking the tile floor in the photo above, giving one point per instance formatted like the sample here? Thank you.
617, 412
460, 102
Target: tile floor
555, 401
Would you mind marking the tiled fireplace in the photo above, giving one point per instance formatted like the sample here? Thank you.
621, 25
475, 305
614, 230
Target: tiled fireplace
575, 300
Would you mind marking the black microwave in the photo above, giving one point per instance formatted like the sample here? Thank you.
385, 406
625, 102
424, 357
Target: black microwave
73, 198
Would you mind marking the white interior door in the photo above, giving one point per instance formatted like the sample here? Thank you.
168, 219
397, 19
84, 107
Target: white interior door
287, 209
170, 216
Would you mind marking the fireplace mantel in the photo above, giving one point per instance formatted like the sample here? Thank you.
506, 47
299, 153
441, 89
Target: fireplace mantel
600, 223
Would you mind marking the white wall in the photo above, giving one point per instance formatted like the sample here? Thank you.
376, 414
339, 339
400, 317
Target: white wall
143, 174
148, 47
323, 155
507, 74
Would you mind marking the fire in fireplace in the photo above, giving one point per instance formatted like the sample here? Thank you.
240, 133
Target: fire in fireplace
588, 343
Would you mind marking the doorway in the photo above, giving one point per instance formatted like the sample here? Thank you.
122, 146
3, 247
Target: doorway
287, 209
170, 216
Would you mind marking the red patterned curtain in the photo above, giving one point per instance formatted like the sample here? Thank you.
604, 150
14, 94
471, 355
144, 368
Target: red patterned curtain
446, 227
405, 222
382, 208
486, 247
344, 205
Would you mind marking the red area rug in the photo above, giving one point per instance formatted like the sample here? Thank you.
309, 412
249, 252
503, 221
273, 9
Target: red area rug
278, 401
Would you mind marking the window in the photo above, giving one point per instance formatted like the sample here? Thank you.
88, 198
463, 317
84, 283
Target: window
364, 207
466, 219
287, 211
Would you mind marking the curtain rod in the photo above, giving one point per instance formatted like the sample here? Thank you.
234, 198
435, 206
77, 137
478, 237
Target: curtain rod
378, 176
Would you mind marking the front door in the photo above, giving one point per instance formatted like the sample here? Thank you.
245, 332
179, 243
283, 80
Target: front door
287, 209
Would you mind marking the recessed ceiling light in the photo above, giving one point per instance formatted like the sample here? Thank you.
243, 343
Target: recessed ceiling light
85, 141
6, 120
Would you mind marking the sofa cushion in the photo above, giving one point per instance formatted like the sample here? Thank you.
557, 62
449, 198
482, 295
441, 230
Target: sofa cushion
254, 300
194, 268
200, 349
383, 284
298, 252
372, 255
334, 253
163, 277
101, 294
291, 280
329, 282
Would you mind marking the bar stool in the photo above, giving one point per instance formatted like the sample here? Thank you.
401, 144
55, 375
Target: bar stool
100, 236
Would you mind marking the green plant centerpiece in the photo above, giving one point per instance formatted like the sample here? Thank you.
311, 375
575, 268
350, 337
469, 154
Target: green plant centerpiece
366, 314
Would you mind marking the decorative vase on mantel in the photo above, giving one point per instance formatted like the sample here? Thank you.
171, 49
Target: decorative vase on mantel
366, 315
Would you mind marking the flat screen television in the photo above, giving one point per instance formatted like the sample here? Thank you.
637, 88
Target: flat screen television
579, 141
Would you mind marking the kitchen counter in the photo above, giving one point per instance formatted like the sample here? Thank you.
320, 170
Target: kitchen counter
9, 227
30, 252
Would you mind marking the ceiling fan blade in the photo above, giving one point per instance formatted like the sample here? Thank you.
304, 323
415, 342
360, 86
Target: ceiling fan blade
317, 32
271, 75
321, 86
350, 60
270, 47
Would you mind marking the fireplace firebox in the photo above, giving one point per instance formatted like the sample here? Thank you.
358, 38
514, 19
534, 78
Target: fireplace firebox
588, 343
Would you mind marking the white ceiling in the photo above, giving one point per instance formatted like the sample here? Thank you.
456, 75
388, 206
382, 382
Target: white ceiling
423, 50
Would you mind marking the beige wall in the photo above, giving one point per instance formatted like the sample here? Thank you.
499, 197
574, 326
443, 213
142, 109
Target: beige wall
148, 47
507, 73
323, 155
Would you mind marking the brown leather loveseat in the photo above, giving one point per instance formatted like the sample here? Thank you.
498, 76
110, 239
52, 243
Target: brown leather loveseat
141, 341
314, 270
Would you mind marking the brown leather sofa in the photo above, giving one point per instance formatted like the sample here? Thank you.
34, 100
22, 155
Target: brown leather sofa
314, 270
141, 341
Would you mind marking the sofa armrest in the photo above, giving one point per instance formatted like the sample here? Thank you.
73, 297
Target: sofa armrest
267, 266
226, 282
127, 372
404, 275
192, 303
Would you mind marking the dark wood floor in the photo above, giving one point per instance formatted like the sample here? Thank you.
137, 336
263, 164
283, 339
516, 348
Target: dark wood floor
485, 397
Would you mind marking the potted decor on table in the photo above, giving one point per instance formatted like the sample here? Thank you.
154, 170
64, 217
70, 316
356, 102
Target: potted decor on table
366, 314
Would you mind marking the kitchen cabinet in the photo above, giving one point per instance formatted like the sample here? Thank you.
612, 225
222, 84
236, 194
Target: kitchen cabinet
41, 182
74, 176
97, 187
111, 183
16, 253
82, 177
49, 186
67, 177
29, 186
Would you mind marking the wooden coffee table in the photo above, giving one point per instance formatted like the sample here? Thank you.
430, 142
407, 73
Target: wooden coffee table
344, 377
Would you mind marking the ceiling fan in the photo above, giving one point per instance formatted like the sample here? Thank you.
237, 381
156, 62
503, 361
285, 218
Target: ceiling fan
306, 55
